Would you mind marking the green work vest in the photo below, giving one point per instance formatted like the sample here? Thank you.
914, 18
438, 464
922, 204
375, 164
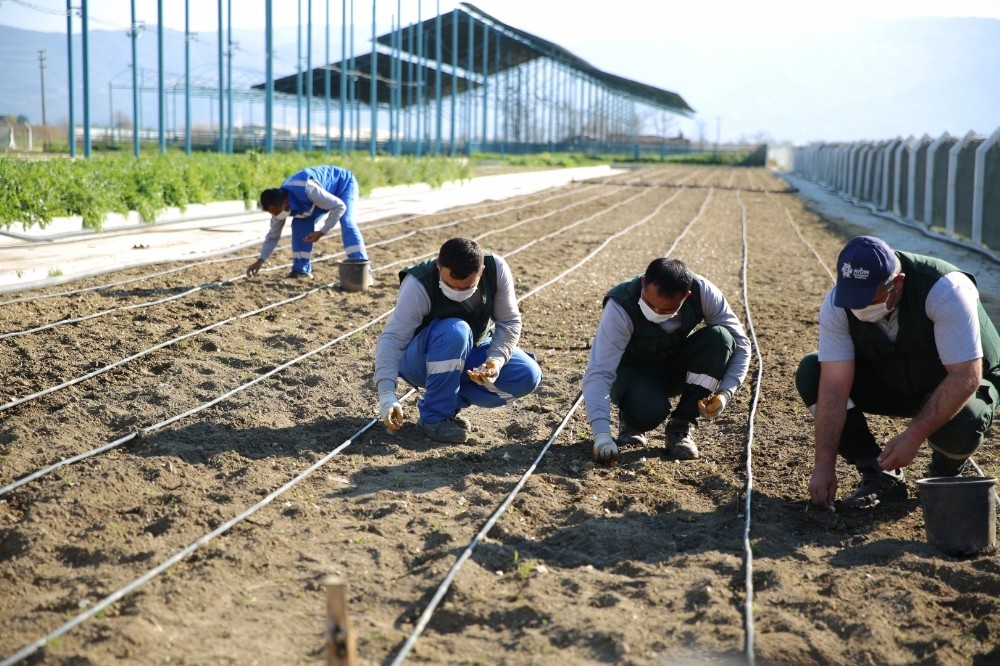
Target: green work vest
911, 364
479, 318
650, 343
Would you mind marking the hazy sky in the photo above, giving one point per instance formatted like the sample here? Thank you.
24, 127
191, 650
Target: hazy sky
692, 48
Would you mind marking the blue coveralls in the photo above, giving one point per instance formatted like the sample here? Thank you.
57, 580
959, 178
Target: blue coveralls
337, 181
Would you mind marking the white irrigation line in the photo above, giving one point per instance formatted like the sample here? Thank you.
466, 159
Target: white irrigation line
79, 619
443, 588
167, 343
600, 247
446, 583
177, 417
747, 548
180, 555
40, 297
330, 257
112, 366
88, 454
798, 232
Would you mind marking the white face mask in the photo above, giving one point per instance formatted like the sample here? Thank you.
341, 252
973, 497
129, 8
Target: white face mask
458, 295
873, 313
282, 216
652, 315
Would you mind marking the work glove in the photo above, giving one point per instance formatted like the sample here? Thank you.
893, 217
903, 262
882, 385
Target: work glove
390, 411
605, 449
710, 407
486, 373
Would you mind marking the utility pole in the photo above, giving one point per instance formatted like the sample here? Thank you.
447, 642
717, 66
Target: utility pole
718, 125
41, 69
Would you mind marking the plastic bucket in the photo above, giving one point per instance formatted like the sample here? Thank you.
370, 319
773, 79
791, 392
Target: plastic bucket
355, 274
959, 513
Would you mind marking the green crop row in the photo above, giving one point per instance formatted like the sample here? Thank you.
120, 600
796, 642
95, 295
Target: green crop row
35, 192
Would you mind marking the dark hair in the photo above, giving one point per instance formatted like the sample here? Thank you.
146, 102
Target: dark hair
274, 196
461, 256
671, 276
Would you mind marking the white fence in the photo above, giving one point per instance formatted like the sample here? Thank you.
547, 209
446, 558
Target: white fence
949, 183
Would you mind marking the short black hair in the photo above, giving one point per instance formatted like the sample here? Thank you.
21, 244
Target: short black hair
461, 256
671, 277
274, 196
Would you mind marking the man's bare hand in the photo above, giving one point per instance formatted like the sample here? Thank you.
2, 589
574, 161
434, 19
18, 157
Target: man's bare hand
314, 236
254, 268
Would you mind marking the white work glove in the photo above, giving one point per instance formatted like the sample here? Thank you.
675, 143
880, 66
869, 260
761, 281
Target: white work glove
605, 449
390, 411
710, 407
486, 373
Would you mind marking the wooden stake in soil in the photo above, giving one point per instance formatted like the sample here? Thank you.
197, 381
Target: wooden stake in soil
341, 643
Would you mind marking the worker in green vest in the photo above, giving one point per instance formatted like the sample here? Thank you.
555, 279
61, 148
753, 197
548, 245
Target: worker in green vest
902, 335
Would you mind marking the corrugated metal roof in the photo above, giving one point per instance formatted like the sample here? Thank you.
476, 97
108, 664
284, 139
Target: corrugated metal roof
516, 47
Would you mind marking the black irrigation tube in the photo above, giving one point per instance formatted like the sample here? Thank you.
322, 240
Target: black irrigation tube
149, 575
110, 445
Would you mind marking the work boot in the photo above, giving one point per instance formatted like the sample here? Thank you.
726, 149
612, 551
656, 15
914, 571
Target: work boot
462, 421
448, 430
629, 436
680, 443
300, 275
875, 488
942, 465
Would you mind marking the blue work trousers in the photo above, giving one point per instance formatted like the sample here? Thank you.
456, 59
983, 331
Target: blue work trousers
436, 360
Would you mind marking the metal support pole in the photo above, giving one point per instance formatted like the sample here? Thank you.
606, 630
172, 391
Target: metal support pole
161, 92
343, 76
309, 73
187, 77
374, 86
222, 78
269, 77
86, 77
69, 70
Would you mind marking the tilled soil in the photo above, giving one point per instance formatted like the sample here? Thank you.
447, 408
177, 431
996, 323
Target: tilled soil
645, 563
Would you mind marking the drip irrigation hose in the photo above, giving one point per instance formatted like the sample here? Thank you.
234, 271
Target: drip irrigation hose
177, 417
467, 553
747, 547
28, 650
100, 606
443, 588
87, 454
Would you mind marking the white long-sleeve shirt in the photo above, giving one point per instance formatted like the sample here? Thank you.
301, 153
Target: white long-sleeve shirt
321, 199
414, 303
614, 332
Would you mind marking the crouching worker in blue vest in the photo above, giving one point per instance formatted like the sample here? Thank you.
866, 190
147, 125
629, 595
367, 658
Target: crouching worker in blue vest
664, 334
316, 193
454, 333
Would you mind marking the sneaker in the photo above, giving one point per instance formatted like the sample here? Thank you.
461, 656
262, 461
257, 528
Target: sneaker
875, 488
942, 465
448, 430
628, 436
680, 443
300, 274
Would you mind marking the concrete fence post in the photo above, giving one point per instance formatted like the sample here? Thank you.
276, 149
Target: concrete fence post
986, 182
900, 174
